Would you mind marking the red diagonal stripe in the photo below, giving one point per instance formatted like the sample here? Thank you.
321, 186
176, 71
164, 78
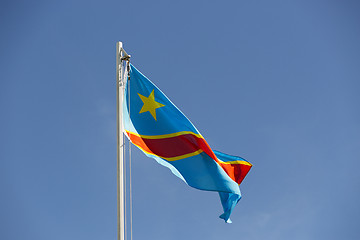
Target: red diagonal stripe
184, 144
170, 146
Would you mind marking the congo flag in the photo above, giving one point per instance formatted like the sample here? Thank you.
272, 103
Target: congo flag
156, 126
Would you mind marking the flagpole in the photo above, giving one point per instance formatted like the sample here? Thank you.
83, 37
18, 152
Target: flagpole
120, 143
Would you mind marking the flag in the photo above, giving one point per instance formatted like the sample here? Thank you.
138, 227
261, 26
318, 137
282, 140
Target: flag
158, 128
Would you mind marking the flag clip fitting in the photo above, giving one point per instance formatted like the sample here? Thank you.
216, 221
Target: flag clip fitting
126, 58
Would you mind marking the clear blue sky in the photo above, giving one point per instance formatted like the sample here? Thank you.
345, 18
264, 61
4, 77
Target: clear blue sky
276, 82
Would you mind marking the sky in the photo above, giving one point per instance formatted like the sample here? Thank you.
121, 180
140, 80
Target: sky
276, 82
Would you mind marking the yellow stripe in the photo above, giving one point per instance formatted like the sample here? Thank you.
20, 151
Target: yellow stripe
165, 135
237, 162
185, 155
173, 158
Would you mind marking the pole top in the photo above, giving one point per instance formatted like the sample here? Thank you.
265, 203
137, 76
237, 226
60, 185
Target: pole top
123, 54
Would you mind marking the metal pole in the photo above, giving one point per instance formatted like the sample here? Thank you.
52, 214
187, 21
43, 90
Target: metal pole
120, 143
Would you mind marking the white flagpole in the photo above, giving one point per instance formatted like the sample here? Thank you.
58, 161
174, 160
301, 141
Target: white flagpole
120, 143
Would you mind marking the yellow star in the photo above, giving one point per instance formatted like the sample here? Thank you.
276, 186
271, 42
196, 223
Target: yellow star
150, 105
